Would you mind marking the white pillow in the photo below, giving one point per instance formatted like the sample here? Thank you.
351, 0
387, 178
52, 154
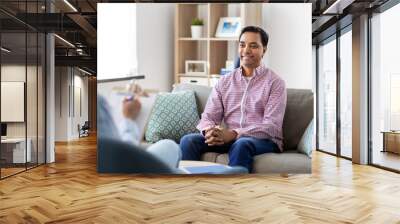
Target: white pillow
145, 111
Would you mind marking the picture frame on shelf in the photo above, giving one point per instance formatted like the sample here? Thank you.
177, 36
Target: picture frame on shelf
229, 27
196, 67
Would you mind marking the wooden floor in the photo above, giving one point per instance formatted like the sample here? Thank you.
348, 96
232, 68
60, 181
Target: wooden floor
70, 191
10, 171
387, 159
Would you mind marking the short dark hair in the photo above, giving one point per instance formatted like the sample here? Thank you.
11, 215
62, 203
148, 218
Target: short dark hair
255, 29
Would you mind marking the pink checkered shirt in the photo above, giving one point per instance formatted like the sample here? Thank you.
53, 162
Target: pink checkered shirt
252, 108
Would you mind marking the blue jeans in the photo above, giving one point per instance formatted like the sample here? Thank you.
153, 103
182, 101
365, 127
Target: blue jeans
241, 151
166, 151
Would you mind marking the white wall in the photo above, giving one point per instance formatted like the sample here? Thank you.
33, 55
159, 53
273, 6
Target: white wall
67, 81
289, 51
155, 44
61, 103
151, 35
16, 73
116, 38
82, 83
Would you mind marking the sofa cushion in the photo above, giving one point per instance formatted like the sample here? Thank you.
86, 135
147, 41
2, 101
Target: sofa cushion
222, 158
210, 157
201, 93
286, 162
298, 114
173, 116
306, 142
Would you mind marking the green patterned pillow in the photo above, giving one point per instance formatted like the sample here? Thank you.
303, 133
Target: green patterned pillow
173, 116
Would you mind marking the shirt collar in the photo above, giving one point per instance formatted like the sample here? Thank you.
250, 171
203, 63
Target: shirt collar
260, 70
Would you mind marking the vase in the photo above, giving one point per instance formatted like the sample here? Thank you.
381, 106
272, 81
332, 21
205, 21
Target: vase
197, 31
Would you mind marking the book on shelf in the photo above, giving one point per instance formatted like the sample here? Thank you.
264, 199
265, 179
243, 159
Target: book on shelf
225, 71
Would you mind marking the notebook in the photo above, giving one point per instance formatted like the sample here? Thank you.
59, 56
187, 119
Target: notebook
211, 169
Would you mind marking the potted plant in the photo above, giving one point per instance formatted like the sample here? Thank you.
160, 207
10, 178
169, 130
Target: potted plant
197, 27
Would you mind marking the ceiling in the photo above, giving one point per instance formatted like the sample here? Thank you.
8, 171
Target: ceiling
77, 25
76, 22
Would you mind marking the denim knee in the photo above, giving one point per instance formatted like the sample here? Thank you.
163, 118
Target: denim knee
242, 142
188, 139
184, 140
191, 146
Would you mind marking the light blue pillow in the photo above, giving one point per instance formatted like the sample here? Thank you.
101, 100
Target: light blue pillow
173, 116
306, 142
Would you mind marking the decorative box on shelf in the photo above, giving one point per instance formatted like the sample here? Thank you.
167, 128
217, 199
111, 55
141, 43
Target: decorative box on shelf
194, 80
196, 67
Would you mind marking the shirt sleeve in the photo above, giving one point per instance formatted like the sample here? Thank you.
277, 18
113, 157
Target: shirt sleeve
271, 126
105, 122
130, 131
213, 110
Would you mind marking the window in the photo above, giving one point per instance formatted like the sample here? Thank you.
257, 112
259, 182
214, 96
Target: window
327, 96
385, 88
346, 93
22, 66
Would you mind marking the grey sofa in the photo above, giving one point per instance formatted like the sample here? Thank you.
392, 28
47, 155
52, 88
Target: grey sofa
299, 113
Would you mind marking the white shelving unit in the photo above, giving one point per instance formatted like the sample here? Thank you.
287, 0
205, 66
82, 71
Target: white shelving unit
214, 51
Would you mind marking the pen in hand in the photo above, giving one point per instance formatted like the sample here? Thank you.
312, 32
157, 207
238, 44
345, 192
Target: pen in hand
129, 98
131, 107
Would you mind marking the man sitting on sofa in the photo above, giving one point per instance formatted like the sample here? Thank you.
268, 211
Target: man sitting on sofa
251, 102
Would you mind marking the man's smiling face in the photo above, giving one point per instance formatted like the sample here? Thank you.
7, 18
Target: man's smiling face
251, 49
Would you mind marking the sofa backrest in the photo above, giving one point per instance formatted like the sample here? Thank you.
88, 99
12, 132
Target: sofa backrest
299, 111
201, 93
